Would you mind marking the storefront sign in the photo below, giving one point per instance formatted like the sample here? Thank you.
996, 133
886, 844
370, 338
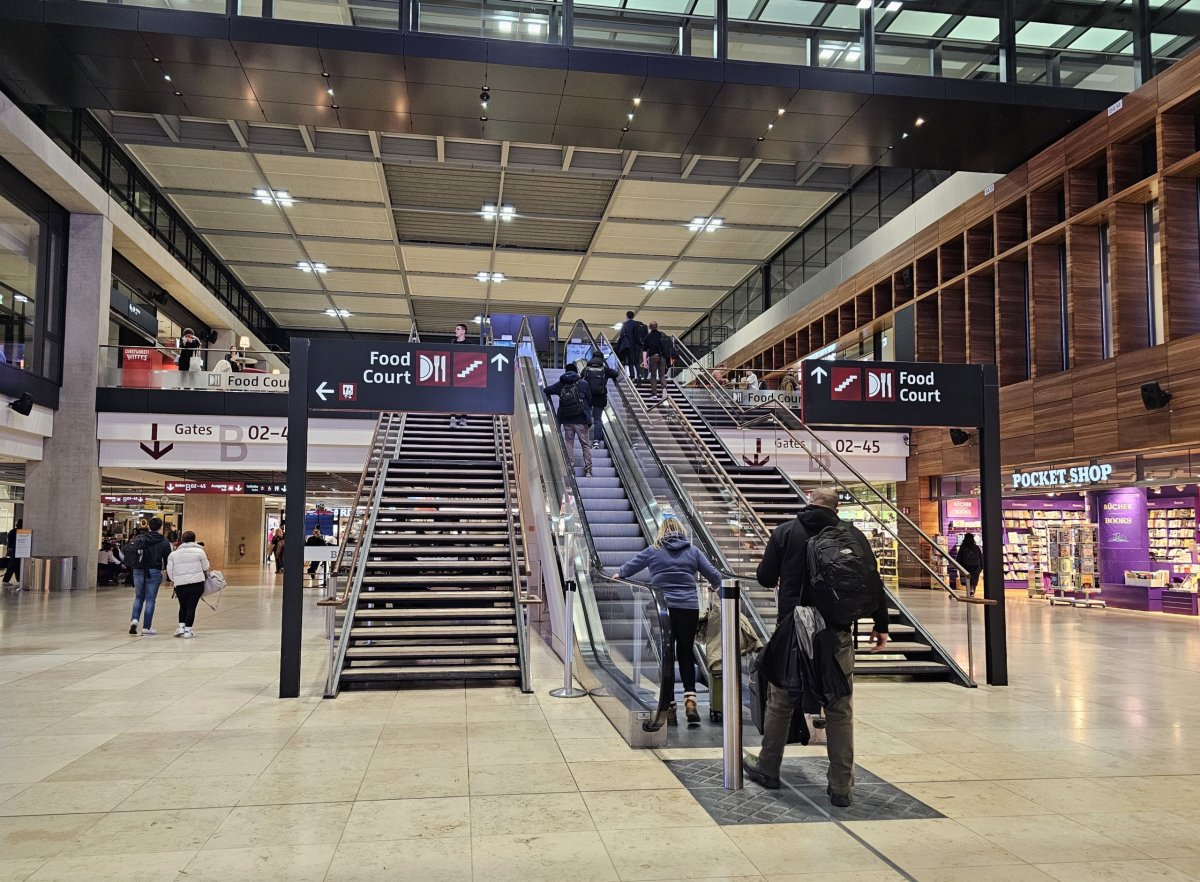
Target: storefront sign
1089, 474
1122, 535
204, 487
962, 509
879, 393
122, 499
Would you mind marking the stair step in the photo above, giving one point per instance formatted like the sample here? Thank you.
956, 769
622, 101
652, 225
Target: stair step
424, 580
447, 612
894, 647
456, 632
375, 564
433, 650
432, 595
879, 666
431, 672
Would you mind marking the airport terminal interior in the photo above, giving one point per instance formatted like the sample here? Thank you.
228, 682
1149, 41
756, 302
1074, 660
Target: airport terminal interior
464, 440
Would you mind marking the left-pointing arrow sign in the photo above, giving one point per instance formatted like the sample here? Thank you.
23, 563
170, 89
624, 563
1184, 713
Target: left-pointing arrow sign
323, 391
500, 360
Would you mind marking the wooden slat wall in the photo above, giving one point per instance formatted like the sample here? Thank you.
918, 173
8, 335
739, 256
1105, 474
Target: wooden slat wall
981, 319
928, 345
1045, 294
1180, 238
1083, 286
1127, 243
1012, 322
952, 309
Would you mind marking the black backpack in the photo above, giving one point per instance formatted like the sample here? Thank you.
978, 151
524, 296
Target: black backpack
640, 332
597, 380
569, 402
843, 586
970, 557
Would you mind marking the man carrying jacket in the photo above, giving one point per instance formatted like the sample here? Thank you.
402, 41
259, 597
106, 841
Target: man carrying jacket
597, 374
785, 563
146, 556
574, 416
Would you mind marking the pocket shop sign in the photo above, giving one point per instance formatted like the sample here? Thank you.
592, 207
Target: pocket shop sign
1091, 474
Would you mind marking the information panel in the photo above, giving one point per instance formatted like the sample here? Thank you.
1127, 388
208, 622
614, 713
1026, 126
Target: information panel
881, 393
426, 377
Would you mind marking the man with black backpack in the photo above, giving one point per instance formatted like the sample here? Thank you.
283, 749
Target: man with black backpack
597, 374
630, 344
146, 556
575, 416
818, 560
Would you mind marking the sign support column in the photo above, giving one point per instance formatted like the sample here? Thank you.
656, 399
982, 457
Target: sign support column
293, 550
996, 650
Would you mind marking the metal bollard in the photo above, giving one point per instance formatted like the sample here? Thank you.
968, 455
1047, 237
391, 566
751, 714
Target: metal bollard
568, 689
731, 685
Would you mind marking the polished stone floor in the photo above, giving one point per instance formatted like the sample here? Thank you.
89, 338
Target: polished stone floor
134, 759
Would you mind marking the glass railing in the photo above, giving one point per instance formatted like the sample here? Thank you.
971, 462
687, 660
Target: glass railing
621, 626
796, 34
212, 370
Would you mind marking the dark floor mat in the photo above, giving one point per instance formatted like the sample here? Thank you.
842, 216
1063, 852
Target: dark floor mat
874, 799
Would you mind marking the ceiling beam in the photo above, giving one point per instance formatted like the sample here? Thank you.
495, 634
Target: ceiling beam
169, 125
306, 135
688, 165
568, 155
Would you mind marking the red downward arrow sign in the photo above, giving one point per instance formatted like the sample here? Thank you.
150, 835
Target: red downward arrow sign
157, 451
758, 459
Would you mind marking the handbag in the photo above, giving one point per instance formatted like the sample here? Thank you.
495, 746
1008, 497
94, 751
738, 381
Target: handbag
214, 582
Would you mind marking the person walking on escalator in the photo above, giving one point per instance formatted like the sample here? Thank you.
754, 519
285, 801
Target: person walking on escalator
673, 563
818, 560
597, 374
574, 416
630, 343
660, 350
970, 556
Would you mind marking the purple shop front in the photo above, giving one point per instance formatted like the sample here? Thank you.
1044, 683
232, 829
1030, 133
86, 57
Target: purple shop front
1122, 537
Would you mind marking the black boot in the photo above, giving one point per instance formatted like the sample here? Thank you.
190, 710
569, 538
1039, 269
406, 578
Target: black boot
756, 774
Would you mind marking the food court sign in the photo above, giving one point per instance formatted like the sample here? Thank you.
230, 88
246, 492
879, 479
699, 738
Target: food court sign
1050, 478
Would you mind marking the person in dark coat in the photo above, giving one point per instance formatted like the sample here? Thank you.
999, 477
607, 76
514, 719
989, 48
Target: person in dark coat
785, 564
630, 342
12, 564
673, 563
597, 374
970, 556
574, 416
459, 420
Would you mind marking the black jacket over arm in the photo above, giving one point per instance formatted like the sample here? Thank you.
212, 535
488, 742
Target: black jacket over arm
785, 562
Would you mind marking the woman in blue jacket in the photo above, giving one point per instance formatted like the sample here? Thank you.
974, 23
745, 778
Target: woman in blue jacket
673, 563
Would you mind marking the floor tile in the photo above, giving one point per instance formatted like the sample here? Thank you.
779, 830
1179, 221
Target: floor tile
533, 778
135, 833
645, 809
416, 782
177, 793
932, 843
432, 818
291, 863
529, 813
780, 849
502, 753
273, 788
902, 768
1155, 834
19, 870
661, 853
1115, 871
268, 825
113, 868
579, 857
972, 799
69, 797
1069, 795
639, 774
1050, 839
41, 836
422, 860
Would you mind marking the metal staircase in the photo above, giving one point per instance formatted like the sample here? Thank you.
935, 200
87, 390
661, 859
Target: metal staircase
434, 580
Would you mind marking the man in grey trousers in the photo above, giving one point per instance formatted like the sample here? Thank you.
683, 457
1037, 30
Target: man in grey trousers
785, 563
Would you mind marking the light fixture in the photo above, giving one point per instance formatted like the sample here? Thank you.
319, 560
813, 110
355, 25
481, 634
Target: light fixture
958, 437
770, 126
1154, 396
705, 224
780, 112
280, 197
637, 102
167, 77
337, 313
156, 59
656, 285
920, 121
275, 370
483, 119
20, 298
905, 135
617, 326
334, 106
624, 128
305, 266
329, 91
325, 74
533, 27
478, 320
244, 342
484, 276
629, 116
178, 93
894, 6
504, 26
505, 212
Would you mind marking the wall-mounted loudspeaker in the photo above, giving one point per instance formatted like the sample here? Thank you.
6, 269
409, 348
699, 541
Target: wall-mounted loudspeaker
1154, 396
22, 405
959, 437
211, 338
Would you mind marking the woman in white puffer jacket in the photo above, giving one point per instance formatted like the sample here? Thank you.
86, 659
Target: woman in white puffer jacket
187, 568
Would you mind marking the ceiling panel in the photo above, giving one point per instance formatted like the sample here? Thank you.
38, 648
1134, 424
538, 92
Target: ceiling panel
660, 200
395, 324
550, 292
464, 288
257, 249
181, 168
695, 298
385, 303
693, 272
231, 213
624, 269
359, 255
741, 243
312, 219
322, 178
363, 283
289, 300
283, 277
536, 265
433, 259
631, 238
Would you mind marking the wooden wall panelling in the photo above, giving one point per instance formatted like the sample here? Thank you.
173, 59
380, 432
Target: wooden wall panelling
926, 273
1127, 266
980, 243
1012, 185
1045, 209
981, 318
830, 323
864, 308
816, 336
1176, 138
1012, 226
1046, 166
779, 359
881, 297
791, 348
950, 258
1013, 321
902, 286
1179, 249
1124, 166
846, 322
1083, 294
1137, 427
1083, 185
928, 347
952, 318
1045, 300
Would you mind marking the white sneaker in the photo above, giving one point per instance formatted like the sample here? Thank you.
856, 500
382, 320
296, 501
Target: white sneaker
187, 633
179, 631
149, 632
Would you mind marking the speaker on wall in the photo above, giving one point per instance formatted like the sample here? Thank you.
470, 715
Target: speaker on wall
959, 437
1154, 396
22, 405
211, 338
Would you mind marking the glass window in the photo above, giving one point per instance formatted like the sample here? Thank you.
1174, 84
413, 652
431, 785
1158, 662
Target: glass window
1106, 305
1154, 303
20, 253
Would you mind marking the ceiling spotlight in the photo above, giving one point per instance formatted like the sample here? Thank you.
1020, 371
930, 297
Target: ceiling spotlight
637, 102
337, 313
920, 121
624, 128
484, 276
507, 212
280, 197
905, 135
484, 97
318, 268
329, 91
656, 285
483, 119
781, 111
156, 59
490, 212
504, 26
770, 126
324, 74
762, 138
705, 224
334, 106
178, 93
167, 77
22, 405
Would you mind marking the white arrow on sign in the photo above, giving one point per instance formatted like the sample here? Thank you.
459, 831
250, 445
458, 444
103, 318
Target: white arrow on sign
323, 391
500, 360
820, 373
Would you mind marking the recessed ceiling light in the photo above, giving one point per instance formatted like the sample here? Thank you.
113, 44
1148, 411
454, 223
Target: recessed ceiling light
533, 28
334, 106
705, 224
920, 121
167, 77
156, 59
781, 111
305, 266
624, 128
905, 135
178, 93
329, 91
656, 285
504, 26
770, 126
281, 197
324, 74
490, 212
637, 102
484, 276
337, 313
629, 116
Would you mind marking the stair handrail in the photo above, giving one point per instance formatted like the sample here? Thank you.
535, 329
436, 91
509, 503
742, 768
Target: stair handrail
333, 681
590, 558
375, 454
504, 449
706, 380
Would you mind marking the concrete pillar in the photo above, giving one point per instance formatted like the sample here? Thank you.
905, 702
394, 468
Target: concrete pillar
62, 491
247, 525
207, 515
